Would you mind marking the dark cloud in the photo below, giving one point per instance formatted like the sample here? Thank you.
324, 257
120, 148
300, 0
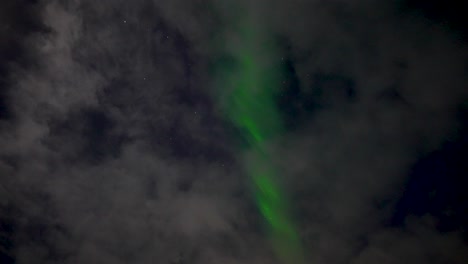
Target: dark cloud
18, 19
114, 150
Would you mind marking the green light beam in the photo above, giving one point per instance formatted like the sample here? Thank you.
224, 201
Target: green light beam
252, 87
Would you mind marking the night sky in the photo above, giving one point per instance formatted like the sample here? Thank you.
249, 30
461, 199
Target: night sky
116, 146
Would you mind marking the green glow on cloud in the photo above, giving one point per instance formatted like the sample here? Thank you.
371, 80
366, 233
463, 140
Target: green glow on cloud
252, 86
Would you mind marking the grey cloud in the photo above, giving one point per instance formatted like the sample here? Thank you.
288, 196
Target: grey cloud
118, 154
347, 165
420, 243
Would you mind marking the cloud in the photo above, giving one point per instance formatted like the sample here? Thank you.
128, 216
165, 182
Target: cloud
115, 151
419, 243
382, 90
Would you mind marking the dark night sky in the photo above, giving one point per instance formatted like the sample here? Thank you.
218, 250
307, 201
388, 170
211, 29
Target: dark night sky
113, 148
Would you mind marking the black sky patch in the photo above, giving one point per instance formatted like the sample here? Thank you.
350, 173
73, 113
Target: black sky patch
291, 98
8, 226
327, 91
451, 13
86, 135
437, 185
332, 90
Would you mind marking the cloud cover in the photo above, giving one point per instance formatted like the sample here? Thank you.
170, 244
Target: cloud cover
113, 150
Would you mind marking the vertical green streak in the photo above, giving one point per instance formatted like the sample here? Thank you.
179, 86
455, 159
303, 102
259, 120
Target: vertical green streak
252, 86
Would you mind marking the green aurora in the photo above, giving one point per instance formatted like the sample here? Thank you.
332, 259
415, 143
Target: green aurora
253, 85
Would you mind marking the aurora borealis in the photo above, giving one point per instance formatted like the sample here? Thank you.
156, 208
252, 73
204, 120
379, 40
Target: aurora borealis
253, 86
233, 132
